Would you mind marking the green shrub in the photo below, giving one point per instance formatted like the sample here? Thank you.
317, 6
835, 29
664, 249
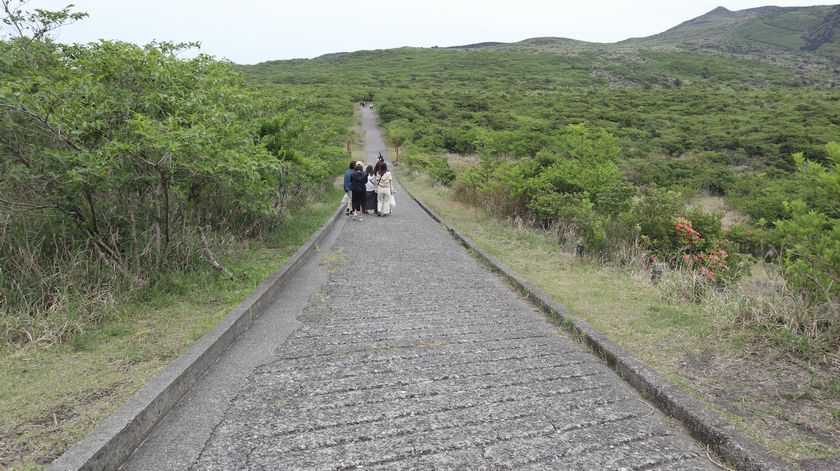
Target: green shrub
574, 211
748, 238
435, 166
653, 217
810, 236
708, 224
616, 198
129, 159
704, 172
762, 196
811, 247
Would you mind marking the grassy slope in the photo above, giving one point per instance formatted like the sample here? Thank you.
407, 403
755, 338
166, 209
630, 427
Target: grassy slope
51, 397
793, 409
780, 29
784, 29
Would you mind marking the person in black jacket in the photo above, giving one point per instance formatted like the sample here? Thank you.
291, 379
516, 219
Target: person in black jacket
358, 180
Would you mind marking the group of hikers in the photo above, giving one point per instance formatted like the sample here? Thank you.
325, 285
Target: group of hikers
368, 189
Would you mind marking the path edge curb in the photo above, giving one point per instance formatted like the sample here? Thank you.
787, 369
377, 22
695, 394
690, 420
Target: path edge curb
110, 444
706, 426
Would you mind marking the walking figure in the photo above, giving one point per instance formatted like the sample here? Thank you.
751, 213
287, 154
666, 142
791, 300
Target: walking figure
358, 179
384, 190
347, 194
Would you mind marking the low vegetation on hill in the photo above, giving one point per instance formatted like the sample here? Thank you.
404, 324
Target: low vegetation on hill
613, 144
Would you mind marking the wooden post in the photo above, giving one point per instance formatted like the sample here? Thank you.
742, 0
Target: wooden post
349, 147
655, 274
397, 152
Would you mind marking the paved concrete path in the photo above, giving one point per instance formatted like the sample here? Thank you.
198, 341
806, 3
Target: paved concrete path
402, 352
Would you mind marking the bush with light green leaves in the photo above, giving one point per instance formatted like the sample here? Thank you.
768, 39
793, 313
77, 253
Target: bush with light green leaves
810, 235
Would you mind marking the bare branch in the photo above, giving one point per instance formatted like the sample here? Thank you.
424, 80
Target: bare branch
14, 150
26, 206
210, 257
13, 17
55, 131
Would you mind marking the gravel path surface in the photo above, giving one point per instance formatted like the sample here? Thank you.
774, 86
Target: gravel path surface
412, 356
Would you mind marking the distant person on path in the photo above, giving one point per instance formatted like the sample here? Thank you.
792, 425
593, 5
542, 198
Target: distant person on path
370, 188
357, 185
380, 158
347, 186
384, 190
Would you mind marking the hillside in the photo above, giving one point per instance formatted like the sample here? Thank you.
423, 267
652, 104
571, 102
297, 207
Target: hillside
700, 92
670, 94
762, 29
804, 39
794, 29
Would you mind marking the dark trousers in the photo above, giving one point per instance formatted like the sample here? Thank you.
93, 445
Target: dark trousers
358, 200
370, 201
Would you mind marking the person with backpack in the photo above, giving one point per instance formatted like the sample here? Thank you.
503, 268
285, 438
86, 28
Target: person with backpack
347, 194
384, 190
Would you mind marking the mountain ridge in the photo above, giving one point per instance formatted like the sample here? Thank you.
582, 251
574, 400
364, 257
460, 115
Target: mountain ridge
811, 29
804, 41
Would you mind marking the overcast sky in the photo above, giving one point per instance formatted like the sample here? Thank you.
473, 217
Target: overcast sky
251, 31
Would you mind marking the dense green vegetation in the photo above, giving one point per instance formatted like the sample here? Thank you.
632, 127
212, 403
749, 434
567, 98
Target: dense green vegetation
610, 144
123, 163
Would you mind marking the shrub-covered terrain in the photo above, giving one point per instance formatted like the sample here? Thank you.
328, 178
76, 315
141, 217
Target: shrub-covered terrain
614, 145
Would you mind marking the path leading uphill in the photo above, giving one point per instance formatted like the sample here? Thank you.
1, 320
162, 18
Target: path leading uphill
400, 351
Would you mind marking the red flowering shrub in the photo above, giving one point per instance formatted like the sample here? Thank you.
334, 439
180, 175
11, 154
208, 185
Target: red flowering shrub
714, 260
686, 235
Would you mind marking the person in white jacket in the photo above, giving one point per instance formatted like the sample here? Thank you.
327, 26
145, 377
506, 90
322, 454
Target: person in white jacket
384, 190
370, 187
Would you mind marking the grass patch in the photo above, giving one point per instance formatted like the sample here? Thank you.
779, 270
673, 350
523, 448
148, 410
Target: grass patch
51, 397
333, 259
789, 406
